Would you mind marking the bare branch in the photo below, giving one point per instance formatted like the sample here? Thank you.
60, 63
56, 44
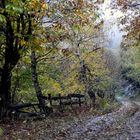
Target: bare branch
39, 58
134, 5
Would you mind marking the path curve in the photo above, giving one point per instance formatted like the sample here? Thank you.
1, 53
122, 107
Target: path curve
103, 126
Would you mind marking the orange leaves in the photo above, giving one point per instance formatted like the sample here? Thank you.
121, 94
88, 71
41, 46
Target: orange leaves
34, 3
66, 52
39, 7
80, 3
76, 3
121, 2
136, 23
134, 29
82, 17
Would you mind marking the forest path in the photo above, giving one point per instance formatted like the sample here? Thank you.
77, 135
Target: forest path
123, 124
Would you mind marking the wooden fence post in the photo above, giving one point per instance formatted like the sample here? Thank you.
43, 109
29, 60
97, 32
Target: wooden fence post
70, 102
60, 103
50, 99
79, 101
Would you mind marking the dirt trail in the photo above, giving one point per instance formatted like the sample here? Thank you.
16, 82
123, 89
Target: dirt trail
108, 126
123, 124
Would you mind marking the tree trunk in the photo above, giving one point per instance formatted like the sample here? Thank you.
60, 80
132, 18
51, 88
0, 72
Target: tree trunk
11, 58
5, 86
35, 79
5, 82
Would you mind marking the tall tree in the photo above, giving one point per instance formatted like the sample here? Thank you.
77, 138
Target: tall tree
17, 20
63, 22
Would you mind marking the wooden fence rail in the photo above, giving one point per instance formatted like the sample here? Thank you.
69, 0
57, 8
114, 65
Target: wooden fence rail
70, 99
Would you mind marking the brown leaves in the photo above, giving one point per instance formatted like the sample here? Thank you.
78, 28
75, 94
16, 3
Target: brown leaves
121, 2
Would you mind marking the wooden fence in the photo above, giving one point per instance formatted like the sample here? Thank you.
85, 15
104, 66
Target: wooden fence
70, 99
61, 101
